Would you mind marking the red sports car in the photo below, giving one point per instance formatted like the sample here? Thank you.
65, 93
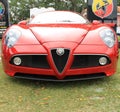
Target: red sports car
60, 46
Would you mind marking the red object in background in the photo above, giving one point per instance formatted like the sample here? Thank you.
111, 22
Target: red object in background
60, 48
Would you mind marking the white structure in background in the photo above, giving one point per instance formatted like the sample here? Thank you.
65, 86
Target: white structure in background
36, 11
118, 20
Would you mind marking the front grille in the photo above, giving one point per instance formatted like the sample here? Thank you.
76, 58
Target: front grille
34, 61
60, 60
84, 61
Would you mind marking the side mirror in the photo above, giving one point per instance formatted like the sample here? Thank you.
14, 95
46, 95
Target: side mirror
24, 22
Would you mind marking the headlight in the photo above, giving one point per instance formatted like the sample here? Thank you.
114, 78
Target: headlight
108, 37
12, 36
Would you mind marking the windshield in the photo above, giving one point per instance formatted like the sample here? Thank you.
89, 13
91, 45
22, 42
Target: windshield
58, 17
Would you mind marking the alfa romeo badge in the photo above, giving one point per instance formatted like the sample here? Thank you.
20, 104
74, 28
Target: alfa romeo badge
60, 51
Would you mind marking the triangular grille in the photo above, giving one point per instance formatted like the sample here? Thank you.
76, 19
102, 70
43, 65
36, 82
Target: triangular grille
60, 61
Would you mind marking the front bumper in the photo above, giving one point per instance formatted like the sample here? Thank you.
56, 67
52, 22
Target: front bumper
70, 72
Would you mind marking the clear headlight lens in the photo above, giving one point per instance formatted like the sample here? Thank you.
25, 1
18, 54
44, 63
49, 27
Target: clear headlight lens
12, 36
108, 37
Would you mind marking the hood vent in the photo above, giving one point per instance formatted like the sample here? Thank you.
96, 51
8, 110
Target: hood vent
60, 57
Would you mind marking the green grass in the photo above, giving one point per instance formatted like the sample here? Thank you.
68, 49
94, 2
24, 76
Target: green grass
101, 95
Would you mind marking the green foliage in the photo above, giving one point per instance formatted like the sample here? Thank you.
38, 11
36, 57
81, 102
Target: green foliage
118, 2
19, 10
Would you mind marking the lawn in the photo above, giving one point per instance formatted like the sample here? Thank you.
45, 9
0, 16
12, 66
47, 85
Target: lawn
101, 95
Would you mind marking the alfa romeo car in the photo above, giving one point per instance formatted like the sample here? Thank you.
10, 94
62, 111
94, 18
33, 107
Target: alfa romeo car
60, 46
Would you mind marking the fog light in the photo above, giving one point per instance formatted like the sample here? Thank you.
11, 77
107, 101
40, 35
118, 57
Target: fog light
17, 61
103, 61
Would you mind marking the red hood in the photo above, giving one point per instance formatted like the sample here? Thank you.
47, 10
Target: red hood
59, 34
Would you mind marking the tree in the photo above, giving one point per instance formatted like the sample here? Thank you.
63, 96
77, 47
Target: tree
19, 10
118, 1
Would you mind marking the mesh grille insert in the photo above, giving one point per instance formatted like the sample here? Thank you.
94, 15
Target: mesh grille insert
85, 61
34, 61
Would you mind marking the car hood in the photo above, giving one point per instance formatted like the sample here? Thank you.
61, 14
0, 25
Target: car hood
59, 34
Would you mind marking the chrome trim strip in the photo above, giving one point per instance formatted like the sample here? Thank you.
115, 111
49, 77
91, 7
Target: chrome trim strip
27, 54
91, 54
